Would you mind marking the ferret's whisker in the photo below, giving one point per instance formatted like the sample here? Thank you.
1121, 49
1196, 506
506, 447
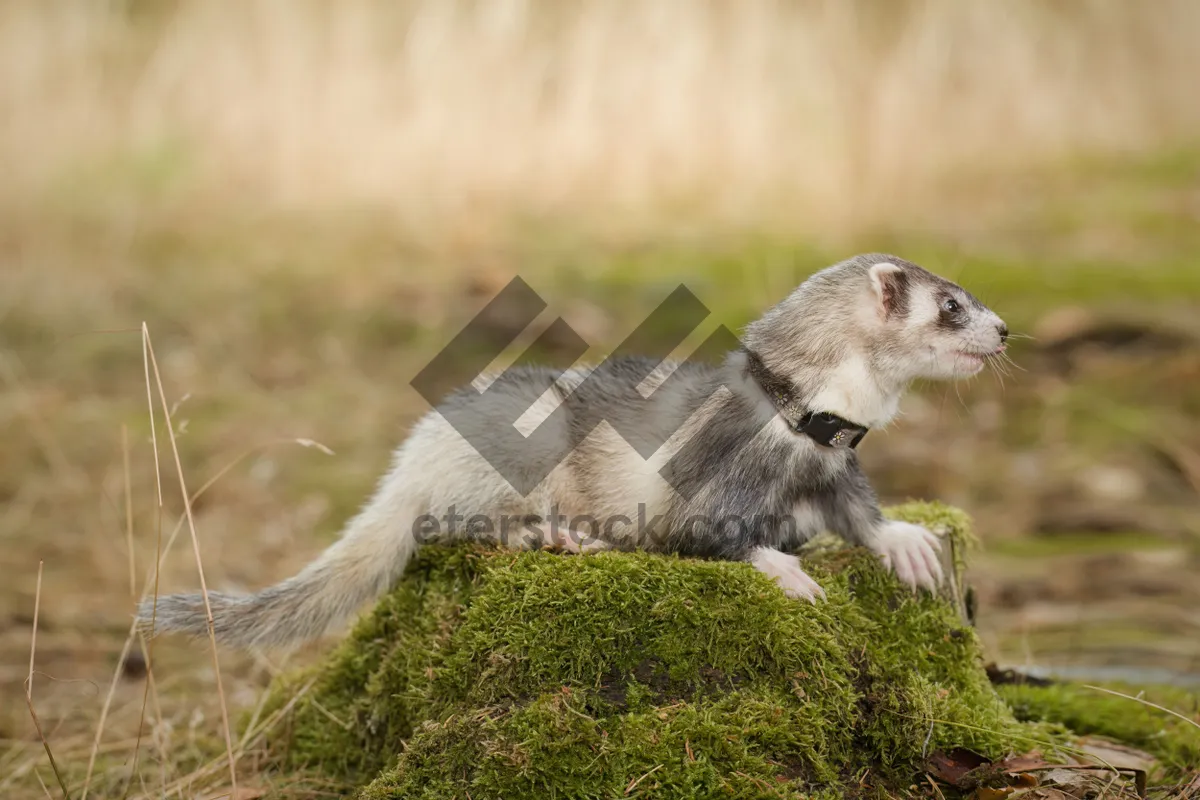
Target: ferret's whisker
1008, 360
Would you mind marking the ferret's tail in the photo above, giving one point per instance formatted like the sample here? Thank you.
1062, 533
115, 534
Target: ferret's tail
360, 566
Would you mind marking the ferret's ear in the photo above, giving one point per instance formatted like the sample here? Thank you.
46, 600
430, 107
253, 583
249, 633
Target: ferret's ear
890, 283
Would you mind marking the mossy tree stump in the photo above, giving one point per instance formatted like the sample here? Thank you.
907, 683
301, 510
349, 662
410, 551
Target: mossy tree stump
493, 674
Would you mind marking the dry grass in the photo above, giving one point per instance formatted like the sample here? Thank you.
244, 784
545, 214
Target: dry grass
118, 736
37, 603
157, 157
457, 117
152, 361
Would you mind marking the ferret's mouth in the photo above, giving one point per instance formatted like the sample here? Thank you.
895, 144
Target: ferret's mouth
974, 359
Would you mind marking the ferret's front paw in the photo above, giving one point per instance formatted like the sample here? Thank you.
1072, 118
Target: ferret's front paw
785, 570
911, 552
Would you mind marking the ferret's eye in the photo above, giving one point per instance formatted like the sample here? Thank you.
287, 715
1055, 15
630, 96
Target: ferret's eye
951, 306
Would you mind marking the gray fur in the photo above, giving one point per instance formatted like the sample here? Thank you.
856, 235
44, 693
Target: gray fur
705, 455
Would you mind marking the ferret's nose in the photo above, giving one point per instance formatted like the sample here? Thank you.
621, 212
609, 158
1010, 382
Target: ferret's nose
1002, 329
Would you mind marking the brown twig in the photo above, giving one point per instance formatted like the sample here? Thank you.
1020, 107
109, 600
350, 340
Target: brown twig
187, 507
112, 690
633, 784
37, 604
128, 511
42, 783
150, 689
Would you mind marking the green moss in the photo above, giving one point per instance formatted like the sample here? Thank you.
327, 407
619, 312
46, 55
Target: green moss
375, 688
498, 674
1173, 741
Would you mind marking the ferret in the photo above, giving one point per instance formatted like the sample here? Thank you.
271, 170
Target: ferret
761, 455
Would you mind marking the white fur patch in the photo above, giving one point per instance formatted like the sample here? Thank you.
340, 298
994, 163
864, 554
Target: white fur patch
852, 393
923, 307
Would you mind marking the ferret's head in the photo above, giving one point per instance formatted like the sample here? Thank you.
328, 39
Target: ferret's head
878, 317
922, 324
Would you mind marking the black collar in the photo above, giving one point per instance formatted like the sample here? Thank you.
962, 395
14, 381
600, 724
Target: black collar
828, 430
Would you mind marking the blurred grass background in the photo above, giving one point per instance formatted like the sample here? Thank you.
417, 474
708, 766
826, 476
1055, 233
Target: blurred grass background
303, 201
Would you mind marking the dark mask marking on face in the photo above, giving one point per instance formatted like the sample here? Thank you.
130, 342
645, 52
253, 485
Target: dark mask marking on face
952, 313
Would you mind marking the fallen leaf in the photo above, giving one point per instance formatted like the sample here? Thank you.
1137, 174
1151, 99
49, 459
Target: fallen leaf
1075, 780
950, 767
1093, 781
1116, 754
1023, 763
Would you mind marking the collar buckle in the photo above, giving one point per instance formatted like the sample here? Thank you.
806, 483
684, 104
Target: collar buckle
830, 430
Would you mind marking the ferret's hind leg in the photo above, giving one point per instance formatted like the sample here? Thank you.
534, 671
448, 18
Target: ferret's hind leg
572, 541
